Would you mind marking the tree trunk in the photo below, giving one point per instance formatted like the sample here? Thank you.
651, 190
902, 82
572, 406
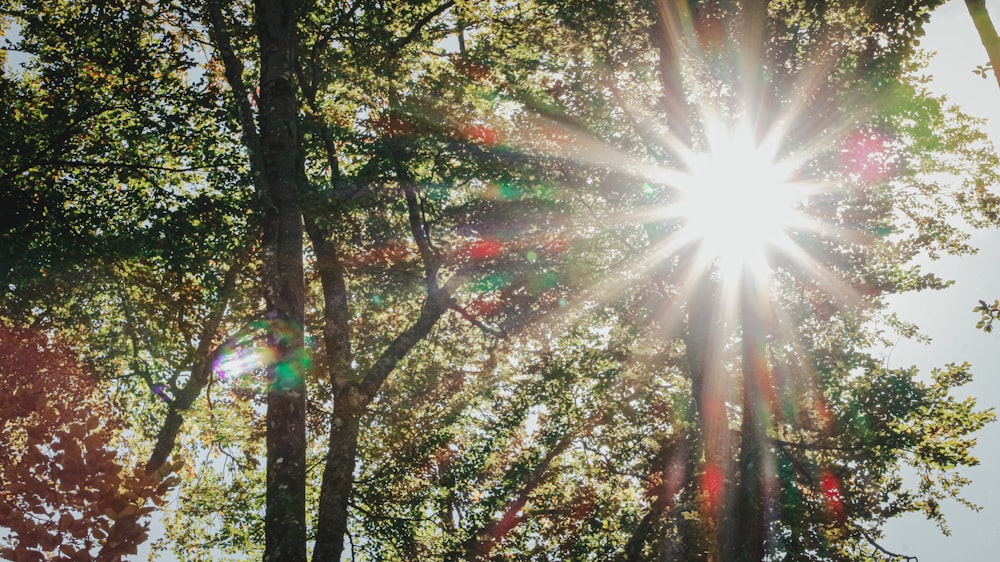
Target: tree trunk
350, 405
747, 532
987, 33
338, 482
708, 388
284, 517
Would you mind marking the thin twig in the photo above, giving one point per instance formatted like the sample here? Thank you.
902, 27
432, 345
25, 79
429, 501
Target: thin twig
883, 550
499, 334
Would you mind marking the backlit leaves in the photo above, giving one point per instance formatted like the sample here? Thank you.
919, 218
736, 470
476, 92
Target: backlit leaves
65, 487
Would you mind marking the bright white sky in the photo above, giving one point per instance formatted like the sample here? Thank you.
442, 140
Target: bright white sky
947, 317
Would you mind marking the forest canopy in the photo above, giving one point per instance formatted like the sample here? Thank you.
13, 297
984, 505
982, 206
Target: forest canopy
475, 280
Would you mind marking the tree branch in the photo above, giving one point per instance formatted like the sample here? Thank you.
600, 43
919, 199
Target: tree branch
433, 307
499, 334
483, 541
336, 312
219, 34
419, 231
402, 42
204, 358
987, 33
118, 166
881, 549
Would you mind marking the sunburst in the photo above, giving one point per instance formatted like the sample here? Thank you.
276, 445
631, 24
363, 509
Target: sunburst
738, 201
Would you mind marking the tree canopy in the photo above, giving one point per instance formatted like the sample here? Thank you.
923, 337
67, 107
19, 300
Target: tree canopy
457, 280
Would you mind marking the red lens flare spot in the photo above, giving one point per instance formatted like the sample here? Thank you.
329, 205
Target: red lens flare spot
484, 249
712, 483
869, 155
482, 134
830, 485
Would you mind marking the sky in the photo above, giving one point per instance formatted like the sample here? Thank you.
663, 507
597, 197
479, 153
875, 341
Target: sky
946, 316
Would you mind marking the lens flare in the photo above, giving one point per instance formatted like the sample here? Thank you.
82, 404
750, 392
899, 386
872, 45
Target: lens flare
830, 486
712, 485
243, 360
260, 350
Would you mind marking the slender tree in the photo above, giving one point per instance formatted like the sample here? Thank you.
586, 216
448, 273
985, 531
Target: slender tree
987, 33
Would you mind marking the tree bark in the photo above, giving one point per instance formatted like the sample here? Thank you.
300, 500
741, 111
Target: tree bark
746, 539
987, 33
746, 533
350, 404
353, 393
284, 286
338, 480
708, 387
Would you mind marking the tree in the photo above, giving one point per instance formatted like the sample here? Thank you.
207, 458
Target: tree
698, 35
65, 487
991, 42
987, 34
126, 221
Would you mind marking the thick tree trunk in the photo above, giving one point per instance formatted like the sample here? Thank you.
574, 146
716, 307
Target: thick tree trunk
746, 538
748, 531
709, 389
284, 517
338, 472
987, 33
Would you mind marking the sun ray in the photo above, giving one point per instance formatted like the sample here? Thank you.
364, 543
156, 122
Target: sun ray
737, 198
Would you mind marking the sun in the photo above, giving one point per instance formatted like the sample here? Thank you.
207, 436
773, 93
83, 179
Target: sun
737, 201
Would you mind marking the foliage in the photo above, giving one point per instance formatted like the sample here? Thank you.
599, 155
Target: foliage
65, 488
990, 313
501, 353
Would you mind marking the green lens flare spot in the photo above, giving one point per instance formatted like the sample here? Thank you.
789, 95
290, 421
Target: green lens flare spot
490, 283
